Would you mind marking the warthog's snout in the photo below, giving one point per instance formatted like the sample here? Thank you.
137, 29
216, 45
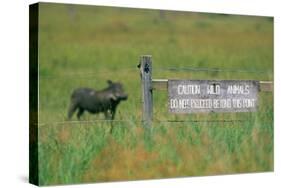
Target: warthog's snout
123, 97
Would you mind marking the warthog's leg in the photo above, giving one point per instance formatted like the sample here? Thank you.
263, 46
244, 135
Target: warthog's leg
112, 112
80, 113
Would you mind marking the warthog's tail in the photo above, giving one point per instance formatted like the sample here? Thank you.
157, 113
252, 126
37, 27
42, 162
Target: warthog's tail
72, 108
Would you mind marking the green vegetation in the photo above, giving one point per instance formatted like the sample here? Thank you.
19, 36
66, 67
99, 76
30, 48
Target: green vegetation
83, 46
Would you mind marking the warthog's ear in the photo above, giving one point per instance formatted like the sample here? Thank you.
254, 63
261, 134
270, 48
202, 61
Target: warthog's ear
112, 97
109, 82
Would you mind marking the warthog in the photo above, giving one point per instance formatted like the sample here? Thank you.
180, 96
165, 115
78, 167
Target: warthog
105, 101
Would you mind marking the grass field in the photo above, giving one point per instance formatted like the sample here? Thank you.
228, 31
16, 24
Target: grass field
83, 46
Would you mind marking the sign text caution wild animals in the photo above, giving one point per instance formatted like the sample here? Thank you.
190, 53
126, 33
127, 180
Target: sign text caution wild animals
193, 96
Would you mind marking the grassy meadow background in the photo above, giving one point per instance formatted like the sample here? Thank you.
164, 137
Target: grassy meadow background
83, 46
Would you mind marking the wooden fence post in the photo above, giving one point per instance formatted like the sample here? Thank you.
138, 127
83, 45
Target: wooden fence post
146, 82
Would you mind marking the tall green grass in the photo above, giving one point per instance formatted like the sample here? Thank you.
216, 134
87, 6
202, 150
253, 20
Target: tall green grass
83, 46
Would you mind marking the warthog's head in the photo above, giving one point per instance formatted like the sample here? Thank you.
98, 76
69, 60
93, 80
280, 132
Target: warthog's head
117, 91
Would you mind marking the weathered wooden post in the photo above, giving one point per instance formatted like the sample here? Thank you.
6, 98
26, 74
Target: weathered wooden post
146, 82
